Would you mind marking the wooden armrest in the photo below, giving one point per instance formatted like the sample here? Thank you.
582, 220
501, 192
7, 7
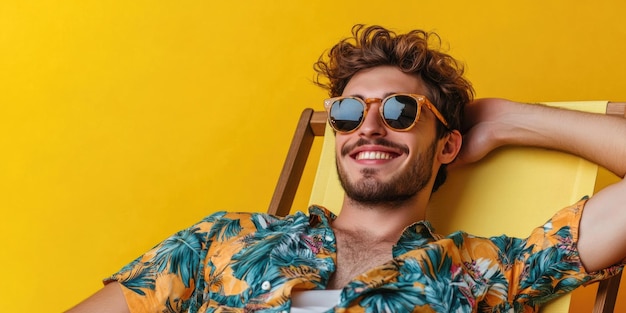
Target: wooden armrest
616, 108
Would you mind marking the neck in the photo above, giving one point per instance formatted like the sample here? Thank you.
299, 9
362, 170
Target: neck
385, 221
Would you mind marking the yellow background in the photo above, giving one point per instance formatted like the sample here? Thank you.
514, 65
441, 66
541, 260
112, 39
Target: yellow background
122, 122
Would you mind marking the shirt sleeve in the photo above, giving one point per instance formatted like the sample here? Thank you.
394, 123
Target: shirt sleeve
164, 278
548, 263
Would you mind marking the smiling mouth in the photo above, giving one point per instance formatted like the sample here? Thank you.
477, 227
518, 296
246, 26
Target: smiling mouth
373, 155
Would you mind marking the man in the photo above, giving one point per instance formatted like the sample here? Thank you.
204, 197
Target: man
397, 109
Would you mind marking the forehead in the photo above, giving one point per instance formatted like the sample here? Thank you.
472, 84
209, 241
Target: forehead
377, 82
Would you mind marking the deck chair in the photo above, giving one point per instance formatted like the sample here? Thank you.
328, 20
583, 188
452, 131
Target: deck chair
544, 180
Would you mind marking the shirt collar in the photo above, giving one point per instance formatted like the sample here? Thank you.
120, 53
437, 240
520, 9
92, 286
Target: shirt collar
319, 214
417, 231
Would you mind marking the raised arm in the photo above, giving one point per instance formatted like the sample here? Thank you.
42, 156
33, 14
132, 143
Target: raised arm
598, 138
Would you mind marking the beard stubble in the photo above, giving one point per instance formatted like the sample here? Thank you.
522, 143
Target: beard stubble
370, 190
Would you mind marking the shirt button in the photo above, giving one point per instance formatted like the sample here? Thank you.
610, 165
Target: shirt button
266, 285
328, 238
283, 311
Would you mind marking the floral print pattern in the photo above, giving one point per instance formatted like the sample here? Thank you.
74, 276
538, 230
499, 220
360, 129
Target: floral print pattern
250, 262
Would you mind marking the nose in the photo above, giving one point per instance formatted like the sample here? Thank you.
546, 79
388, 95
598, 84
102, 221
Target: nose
373, 125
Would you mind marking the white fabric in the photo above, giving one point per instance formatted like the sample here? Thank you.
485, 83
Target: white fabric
314, 301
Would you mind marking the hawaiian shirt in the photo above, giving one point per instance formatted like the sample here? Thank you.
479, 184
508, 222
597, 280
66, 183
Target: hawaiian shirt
251, 262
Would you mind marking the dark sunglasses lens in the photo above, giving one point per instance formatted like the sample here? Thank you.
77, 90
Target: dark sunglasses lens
400, 112
346, 114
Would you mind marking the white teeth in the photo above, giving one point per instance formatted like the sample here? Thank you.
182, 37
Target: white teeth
373, 155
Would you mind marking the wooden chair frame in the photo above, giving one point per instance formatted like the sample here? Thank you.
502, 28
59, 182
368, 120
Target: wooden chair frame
312, 123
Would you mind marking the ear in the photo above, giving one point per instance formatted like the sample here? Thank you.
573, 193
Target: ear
449, 147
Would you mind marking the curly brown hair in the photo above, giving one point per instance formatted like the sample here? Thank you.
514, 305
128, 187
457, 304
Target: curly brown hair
417, 52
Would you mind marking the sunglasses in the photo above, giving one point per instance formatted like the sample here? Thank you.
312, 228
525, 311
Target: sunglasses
399, 112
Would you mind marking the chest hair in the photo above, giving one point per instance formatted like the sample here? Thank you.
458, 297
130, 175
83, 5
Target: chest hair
356, 254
